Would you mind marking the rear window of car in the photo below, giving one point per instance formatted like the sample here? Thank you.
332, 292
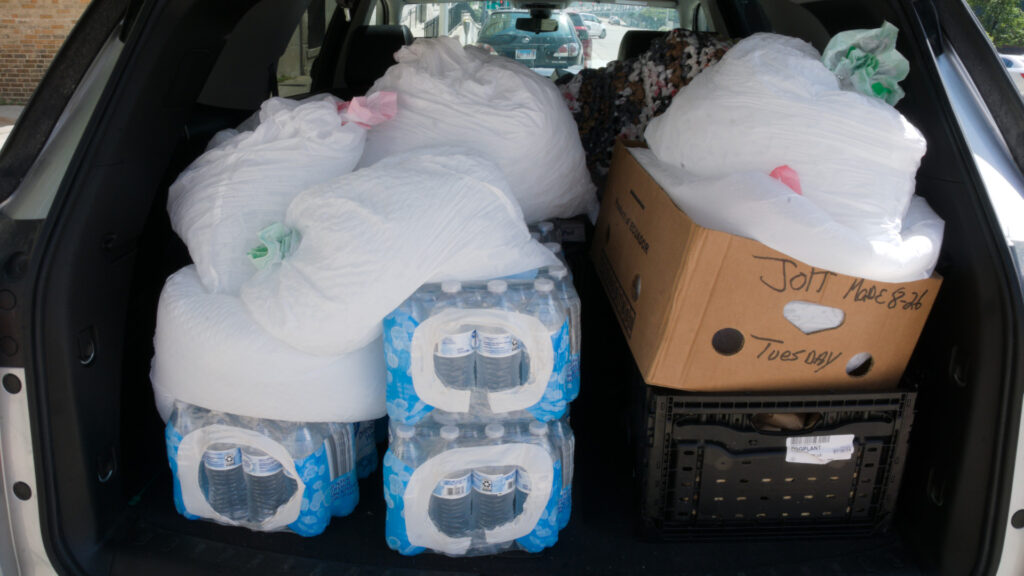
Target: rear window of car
505, 22
469, 21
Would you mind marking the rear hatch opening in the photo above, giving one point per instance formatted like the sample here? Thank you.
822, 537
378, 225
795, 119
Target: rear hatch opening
110, 248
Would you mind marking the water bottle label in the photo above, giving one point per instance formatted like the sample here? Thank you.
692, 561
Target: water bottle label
522, 481
260, 465
494, 484
451, 488
222, 459
497, 344
456, 345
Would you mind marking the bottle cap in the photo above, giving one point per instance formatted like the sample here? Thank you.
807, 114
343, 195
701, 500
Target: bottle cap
449, 432
497, 286
405, 432
494, 431
543, 285
451, 286
545, 226
538, 428
557, 272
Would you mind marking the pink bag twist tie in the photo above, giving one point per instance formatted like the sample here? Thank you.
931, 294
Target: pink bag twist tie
368, 111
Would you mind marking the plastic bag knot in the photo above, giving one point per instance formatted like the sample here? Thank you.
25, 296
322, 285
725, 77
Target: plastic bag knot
277, 241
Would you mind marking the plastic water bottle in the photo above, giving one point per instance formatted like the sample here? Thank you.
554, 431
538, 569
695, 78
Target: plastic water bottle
538, 435
571, 301
556, 249
405, 447
518, 293
366, 446
187, 418
264, 474
267, 484
343, 467
423, 302
451, 500
453, 354
343, 447
494, 487
546, 307
225, 481
547, 231
498, 354
300, 440
564, 443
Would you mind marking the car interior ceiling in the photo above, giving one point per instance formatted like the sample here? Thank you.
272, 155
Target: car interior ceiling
198, 67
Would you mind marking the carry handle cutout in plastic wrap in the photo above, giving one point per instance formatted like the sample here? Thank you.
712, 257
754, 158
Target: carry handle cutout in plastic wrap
530, 332
190, 454
532, 459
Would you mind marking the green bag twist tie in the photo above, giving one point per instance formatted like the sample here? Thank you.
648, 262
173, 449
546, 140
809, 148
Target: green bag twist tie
276, 242
867, 61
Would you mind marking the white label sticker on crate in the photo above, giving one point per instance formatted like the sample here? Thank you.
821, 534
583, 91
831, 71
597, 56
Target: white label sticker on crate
819, 449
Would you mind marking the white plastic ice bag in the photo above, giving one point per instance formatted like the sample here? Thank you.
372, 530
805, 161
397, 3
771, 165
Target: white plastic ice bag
770, 102
455, 96
757, 206
370, 238
246, 180
210, 353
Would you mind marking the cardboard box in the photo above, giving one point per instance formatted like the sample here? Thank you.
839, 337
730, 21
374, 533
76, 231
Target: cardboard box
704, 310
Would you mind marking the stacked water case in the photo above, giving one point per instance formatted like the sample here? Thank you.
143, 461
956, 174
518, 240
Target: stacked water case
480, 376
266, 475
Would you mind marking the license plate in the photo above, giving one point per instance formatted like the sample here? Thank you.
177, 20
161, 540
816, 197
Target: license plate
524, 54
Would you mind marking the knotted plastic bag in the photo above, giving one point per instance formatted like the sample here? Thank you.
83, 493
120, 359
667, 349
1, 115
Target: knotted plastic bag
370, 238
771, 102
454, 96
246, 179
867, 61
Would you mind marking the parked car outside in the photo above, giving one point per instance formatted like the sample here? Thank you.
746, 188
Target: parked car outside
584, 35
559, 49
594, 25
1015, 67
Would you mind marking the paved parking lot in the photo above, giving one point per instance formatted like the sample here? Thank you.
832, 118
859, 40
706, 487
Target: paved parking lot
8, 114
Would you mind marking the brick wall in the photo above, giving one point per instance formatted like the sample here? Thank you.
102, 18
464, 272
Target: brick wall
31, 31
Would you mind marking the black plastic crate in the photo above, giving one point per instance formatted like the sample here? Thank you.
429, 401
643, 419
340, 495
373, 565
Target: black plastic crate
710, 466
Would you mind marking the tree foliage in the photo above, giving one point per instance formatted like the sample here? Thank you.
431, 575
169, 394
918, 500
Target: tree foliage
650, 18
1003, 20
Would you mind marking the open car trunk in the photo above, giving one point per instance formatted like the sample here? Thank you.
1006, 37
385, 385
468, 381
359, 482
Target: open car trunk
101, 258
